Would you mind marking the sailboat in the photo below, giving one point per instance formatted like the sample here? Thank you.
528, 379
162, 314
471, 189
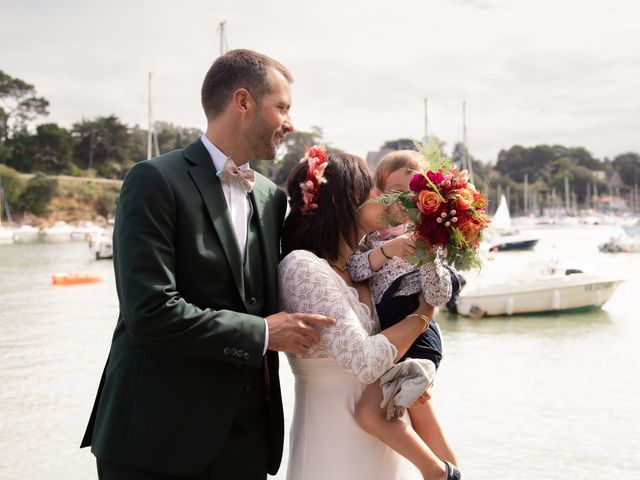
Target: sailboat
506, 238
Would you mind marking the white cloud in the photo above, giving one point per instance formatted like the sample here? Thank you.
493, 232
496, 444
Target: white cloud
531, 72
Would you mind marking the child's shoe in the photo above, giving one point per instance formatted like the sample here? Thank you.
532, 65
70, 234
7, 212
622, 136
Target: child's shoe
452, 472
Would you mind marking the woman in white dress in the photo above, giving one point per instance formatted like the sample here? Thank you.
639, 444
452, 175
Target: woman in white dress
328, 217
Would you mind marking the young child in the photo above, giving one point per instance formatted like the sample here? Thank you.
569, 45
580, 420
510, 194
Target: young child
395, 287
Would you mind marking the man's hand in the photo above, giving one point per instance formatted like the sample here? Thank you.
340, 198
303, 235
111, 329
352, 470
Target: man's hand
402, 246
294, 332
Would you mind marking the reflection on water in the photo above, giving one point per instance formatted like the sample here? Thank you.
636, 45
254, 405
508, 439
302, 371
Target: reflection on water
523, 397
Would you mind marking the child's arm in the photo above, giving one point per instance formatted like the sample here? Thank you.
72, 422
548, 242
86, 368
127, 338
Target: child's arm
402, 246
435, 281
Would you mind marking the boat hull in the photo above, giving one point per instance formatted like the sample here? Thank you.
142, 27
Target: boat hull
508, 246
545, 295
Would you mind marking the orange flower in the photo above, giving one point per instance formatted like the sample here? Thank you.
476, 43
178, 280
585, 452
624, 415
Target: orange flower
428, 201
465, 199
470, 229
479, 200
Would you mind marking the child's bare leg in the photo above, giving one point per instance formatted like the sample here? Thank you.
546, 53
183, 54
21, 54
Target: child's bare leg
397, 434
426, 425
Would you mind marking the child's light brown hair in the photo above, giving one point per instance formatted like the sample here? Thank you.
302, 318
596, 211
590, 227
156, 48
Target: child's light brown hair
394, 161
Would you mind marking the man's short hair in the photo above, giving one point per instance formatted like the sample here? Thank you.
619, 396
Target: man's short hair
238, 69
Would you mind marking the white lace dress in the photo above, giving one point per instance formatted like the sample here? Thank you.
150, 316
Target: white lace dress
325, 441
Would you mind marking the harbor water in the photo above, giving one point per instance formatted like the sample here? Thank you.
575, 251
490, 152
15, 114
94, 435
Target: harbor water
526, 397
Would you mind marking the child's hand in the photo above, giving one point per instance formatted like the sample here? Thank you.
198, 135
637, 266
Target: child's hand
402, 246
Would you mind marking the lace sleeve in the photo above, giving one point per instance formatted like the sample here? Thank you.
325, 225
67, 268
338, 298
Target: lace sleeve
308, 285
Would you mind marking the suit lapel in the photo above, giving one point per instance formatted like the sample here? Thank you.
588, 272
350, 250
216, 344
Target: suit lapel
260, 197
208, 184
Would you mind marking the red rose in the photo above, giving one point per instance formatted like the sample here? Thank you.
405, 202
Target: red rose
418, 183
436, 177
432, 232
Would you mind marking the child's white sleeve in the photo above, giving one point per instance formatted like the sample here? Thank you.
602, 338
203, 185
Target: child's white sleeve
435, 281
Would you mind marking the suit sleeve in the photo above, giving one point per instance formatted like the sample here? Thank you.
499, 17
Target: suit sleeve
152, 308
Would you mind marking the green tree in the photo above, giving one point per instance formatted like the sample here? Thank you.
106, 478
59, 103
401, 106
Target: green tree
18, 105
12, 185
628, 166
294, 144
172, 137
399, 144
518, 161
24, 149
37, 194
54, 148
102, 145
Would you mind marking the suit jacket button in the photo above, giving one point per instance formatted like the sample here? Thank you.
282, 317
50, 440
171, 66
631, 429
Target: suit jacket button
240, 353
233, 351
253, 300
246, 356
226, 350
247, 389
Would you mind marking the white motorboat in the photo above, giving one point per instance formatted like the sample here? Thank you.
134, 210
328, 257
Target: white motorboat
502, 235
569, 290
26, 233
6, 235
60, 231
102, 244
622, 244
85, 230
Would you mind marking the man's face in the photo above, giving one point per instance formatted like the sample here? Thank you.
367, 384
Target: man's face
271, 121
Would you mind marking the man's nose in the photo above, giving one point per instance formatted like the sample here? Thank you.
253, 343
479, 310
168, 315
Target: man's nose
287, 126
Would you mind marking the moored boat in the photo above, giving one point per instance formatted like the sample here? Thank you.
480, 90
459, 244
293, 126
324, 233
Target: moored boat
505, 237
59, 231
571, 291
26, 233
74, 278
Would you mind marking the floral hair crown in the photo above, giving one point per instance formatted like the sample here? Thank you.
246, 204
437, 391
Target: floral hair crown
316, 157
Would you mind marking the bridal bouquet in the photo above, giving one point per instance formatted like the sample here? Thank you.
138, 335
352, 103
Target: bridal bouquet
448, 214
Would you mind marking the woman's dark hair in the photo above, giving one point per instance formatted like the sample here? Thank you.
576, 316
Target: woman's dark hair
238, 69
319, 230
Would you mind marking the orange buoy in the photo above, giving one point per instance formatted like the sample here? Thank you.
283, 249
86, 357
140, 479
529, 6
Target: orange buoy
74, 278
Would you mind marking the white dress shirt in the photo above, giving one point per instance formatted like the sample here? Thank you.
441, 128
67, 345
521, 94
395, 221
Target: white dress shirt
238, 204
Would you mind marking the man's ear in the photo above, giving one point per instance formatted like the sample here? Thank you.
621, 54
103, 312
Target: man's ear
242, 100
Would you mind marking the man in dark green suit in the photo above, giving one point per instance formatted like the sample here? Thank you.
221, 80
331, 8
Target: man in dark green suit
190, 388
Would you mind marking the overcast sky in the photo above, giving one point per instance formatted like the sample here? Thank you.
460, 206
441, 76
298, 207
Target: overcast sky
558, 72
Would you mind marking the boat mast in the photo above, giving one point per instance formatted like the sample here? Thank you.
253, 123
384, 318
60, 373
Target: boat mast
150, 129
4, 205
467, 162
223, 38
425, 141
526, 193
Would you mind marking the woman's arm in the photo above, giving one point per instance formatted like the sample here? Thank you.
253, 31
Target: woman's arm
405, 332
308, 285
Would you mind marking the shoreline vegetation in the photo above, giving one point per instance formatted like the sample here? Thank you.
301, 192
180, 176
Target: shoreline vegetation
42, 200
50, 173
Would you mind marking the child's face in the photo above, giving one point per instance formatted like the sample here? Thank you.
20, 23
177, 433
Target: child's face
398, 180
372, 215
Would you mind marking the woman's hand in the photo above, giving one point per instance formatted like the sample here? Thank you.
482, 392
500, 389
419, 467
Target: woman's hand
402, 246
425, 309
